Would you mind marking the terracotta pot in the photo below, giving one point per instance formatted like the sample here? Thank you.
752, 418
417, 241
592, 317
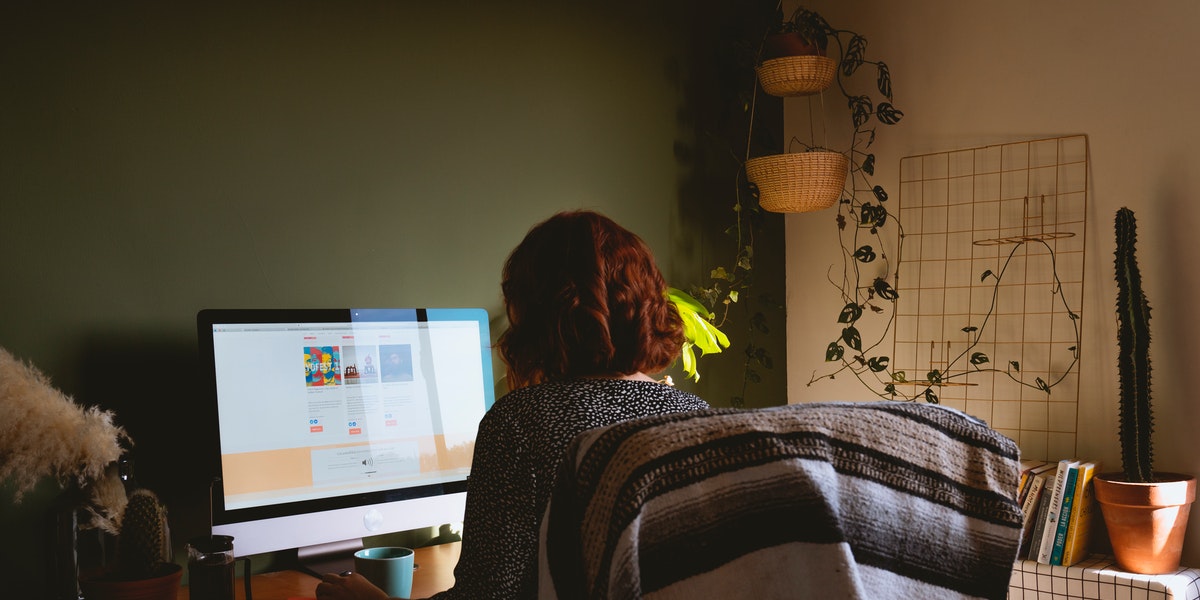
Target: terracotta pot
1146, 521
789, 44
164, 587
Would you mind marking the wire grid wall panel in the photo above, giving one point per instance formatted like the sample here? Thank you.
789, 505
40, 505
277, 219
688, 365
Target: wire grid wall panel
992, 265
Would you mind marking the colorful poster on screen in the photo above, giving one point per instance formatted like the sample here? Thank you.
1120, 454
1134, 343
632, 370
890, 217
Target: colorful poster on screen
322, 366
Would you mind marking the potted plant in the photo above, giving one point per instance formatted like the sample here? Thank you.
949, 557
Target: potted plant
143, 570
820, 177
49, 435
793, 56
1145, 511
799, 177
805, 33
796, 182
815, 179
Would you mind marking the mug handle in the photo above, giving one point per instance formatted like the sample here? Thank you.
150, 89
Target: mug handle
246, 575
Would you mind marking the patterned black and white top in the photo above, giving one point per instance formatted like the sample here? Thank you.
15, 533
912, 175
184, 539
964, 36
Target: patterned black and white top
520, 444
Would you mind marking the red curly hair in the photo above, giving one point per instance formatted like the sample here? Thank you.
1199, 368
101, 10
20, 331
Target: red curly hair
585, 298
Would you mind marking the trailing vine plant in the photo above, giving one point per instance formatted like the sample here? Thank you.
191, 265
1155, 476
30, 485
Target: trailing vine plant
874, 371
867, 281
866, 227
863, 218
730, 295
733, 283
730, 283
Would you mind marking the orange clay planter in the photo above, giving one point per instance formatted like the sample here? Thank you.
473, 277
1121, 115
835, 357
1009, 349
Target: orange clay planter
1146, 521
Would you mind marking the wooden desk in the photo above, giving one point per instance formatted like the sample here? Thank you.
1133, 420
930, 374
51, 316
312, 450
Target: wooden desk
435, 573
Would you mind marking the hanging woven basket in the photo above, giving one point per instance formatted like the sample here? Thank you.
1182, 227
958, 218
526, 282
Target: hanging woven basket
796, 75
798, 181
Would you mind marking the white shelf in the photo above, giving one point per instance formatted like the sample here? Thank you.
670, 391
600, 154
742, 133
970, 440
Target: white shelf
1097, 578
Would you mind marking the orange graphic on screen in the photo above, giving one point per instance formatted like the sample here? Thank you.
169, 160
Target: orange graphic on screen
281, 471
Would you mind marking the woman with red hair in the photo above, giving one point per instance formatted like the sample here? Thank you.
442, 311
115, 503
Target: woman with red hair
589, 320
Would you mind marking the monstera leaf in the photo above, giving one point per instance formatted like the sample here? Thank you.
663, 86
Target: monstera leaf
698, 331
883, 81
856, 51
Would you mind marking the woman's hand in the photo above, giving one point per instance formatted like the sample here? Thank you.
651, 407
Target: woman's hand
350, 586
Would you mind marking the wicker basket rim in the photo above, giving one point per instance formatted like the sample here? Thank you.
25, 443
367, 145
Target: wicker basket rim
803, 58
815, 154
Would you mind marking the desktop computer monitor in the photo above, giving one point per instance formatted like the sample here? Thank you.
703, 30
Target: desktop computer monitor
337, 424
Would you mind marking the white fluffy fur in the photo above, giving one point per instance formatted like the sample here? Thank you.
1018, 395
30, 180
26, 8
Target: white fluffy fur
44, 433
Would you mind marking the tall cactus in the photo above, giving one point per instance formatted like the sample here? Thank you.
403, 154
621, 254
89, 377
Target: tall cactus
145, 542
1133, 341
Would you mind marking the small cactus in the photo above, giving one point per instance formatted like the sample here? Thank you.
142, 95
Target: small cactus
145, 541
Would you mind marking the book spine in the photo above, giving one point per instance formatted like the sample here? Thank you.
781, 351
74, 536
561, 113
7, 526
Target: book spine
1039, 520
1030, 511
1029, 470
1027, 473
1023, 489
1064, 516
1079, 532
1050, 520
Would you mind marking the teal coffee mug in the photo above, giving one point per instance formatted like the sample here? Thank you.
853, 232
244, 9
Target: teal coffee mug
390, 568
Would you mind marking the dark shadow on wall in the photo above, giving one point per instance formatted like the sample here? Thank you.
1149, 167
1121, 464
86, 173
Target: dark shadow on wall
718, 85
153, 385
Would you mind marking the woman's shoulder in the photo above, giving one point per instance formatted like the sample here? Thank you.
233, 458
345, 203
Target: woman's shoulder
631, 397
590, 390
650, 389
667, 390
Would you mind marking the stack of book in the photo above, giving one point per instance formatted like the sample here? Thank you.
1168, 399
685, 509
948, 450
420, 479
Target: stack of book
1059, 507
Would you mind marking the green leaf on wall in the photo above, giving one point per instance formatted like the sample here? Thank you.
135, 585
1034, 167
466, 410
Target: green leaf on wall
868, 164
850, 313
852, 338
860, 110
884, 290
856, 51
883, 80
888, 114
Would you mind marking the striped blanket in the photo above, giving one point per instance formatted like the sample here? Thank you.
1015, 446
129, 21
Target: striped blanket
826, 500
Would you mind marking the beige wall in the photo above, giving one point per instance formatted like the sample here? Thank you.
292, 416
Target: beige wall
970, 74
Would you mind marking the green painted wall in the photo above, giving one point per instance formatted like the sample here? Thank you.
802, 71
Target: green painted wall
158, 158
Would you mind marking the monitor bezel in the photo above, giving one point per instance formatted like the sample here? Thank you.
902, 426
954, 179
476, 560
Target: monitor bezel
405, 509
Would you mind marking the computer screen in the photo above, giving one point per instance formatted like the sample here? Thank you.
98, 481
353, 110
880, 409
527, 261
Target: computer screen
337, 424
